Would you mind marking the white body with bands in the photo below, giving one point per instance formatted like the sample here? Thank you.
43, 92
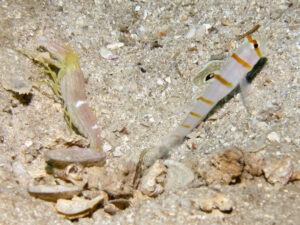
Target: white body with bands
232, 74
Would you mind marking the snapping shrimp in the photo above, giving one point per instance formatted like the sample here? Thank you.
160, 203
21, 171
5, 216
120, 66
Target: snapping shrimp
69, 84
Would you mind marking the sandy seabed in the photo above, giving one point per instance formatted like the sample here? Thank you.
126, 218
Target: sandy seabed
147, 88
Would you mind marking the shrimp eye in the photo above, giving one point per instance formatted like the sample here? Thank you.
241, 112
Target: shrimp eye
255, 45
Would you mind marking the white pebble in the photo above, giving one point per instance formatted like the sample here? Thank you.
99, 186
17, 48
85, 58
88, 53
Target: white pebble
106, 147
28, 143
191, 33
117, 152
81, 21
160, 81
107, 54
137, 8
198, 31
288, 139
178, 175
168, 79
273, 136
115, 45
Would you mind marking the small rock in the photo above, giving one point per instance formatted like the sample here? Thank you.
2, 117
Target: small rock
117, 152
273, 136
152, 183
18, 84
74, 173
115, 45
191, 33
178, 175
106, 147
216, 201
225, 167
168, 80
107, 54
91, 194
198, 31
278, 171
254, 164
94, 176
111, 209
28, 143
295, 176
77, 207
54, 192
160, 81
226, 22
84, 156
117, 177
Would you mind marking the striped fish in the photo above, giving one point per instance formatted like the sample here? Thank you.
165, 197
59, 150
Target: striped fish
238, 69
232, 74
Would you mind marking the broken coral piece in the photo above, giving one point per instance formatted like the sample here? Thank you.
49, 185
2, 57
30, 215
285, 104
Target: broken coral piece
74, 155
77, 207
54, 192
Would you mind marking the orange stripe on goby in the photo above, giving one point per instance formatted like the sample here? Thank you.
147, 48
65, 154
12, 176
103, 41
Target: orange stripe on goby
257, 50
241, 61
205, 100
255, 45
250, 39
195, 114
186, 126
222, 80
